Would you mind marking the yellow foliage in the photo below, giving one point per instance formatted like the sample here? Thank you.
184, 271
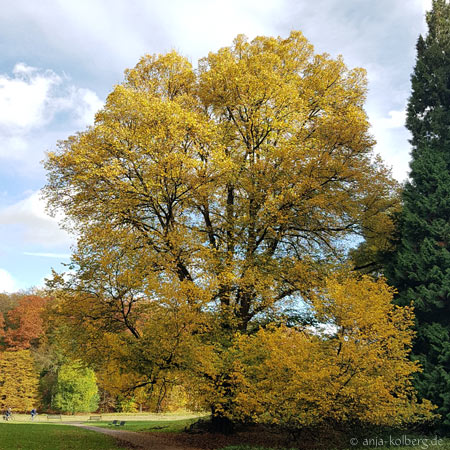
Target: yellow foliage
354, 368
19, 380
207, 201
227, 177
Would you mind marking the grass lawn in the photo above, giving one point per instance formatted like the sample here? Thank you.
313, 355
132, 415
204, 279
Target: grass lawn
52, 437
43, 436
166, 425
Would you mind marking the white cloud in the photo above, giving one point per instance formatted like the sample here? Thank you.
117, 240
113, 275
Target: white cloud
36, 226
48, 255
31, 101
32, 98
189, 23
7, 282
14, 148
25, 98
396, 119
86, 104
392, 141
426, 5
114, 34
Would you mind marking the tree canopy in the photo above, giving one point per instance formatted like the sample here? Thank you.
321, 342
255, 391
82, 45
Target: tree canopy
243, 177
211, 203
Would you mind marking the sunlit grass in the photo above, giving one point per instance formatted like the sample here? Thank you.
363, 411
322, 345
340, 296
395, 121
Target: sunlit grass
167, 425
17, 436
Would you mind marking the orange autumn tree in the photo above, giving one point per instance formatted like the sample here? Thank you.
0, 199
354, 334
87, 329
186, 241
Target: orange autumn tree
7, 302
25, 323
217, 198
21, 328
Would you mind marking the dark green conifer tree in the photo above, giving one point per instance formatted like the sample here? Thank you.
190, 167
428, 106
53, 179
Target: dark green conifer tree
420, 266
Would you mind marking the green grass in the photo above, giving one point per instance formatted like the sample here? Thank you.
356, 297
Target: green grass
42, 436
52, 437
167, 426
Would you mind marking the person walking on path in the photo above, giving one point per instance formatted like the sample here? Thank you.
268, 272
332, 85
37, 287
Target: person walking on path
8, 414
33, 413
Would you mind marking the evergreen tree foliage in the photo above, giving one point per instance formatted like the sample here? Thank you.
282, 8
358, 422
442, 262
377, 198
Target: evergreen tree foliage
420, 266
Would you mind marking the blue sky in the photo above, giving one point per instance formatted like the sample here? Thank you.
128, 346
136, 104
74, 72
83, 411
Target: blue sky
60, 58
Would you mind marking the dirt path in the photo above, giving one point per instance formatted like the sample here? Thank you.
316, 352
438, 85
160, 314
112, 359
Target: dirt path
144, 441
193, 441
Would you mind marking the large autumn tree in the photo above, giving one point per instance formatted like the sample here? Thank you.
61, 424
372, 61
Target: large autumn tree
214, 200
420, 266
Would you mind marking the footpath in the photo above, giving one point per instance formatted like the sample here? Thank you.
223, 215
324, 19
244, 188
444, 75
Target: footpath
131, 439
